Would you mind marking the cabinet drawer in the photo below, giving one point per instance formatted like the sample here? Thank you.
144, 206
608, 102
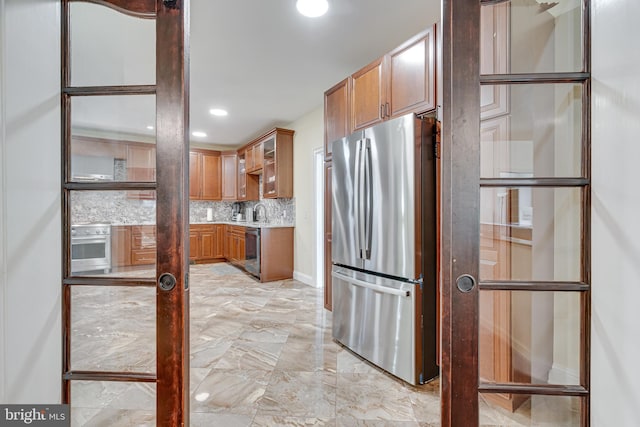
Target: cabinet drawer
139, 257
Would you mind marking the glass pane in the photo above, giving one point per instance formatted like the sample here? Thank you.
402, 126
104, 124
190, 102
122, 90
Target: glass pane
523, 36
530, 234
110, 48
528, 410
113, 138
109, 404
113, 328
113, 233
539, 136
530, 337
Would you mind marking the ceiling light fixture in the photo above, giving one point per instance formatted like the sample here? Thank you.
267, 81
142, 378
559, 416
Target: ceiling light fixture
198, 134
218, 112
312, 8
150, 127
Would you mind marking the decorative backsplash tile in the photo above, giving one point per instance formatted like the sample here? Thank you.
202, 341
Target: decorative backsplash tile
116, 208
112, 207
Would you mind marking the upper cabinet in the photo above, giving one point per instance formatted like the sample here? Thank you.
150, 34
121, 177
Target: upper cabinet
254, 158
248, 185
229, 175
336, 114
205, 175
277, 168
368, 95
141, 167
402, 81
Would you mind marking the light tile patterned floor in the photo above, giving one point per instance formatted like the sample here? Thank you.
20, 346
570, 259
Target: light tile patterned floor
261, 355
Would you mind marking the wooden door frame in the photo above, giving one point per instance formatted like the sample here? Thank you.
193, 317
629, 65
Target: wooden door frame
172, 208
460, 204
172, 224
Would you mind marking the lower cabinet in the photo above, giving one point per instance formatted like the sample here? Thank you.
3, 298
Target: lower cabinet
120, 245
206, 242
143, 244
134, 245
234, 246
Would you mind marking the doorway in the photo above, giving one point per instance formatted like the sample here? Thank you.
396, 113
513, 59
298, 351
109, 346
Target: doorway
319, 215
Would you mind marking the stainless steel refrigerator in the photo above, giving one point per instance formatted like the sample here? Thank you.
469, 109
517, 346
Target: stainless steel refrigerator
384, 246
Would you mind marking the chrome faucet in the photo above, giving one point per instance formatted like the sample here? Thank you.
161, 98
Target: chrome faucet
257, 213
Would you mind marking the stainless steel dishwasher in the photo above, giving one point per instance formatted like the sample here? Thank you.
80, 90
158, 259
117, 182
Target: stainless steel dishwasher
252, 251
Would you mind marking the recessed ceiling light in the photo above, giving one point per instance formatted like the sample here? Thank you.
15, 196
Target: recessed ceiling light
198, 134
312, 8
150, 127
218, 112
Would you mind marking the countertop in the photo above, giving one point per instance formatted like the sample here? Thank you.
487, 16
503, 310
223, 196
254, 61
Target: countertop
255, 224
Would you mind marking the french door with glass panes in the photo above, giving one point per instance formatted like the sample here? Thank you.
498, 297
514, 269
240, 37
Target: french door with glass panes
125, 204
516, 203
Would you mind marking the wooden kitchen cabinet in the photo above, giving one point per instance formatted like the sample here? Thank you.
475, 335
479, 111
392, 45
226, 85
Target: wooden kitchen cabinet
143, 244
336, 114
254, 155
229, 176
234, 245
400, 82
494, 58
120, 245
248, 184
277, 169
276, 253
141, 167
205, 175
206, 242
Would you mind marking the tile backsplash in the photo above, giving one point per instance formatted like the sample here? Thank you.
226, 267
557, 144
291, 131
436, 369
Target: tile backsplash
118, 209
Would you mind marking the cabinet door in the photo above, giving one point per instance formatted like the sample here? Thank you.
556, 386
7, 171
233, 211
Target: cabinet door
241, 248
195, 176
194, 245
120, 246
367, 95
336, 115
242, 176
218, 242
411, 76
211, 177
207, 244
494, 56
141, 167
249, 159
229, 178
228, 243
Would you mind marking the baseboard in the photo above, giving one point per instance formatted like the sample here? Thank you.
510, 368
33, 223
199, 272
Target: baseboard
563, 375
304, 278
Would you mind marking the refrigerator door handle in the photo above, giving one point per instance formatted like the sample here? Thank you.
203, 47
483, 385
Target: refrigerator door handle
373, 287
369, 198
360, 206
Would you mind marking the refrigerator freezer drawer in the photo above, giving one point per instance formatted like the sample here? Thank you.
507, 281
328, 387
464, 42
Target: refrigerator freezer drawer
375, 317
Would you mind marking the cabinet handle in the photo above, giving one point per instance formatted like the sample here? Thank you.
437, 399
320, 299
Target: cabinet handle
386, 109
382, 111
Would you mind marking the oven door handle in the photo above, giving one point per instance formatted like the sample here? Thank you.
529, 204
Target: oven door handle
88, 239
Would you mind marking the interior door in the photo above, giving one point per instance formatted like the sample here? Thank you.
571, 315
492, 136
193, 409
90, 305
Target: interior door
516, 203
124, 103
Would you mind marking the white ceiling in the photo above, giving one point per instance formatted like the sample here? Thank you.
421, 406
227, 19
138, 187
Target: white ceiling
259, 59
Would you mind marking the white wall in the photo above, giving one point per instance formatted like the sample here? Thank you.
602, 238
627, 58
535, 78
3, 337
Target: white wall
30, 186
615, 372
309, 136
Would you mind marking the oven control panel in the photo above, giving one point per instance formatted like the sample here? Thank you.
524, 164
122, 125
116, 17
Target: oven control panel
90, 230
